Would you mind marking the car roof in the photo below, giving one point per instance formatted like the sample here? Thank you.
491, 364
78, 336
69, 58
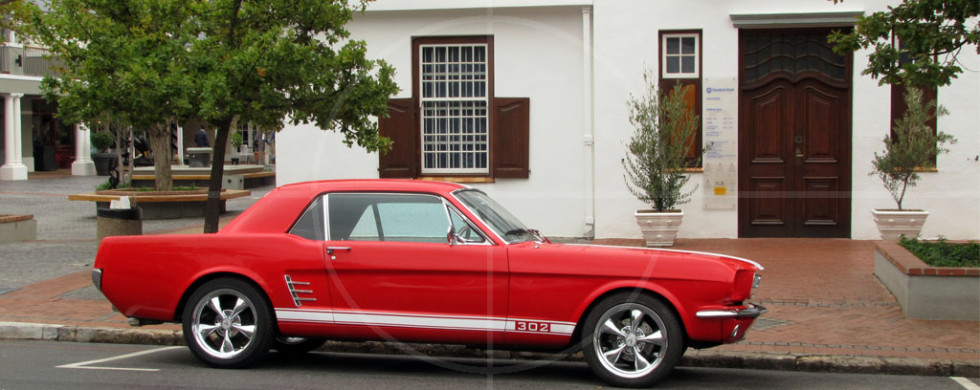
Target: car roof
276, 212
371, 185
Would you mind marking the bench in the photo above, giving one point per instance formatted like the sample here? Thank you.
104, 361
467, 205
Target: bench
16, 228
163, 206
231, 181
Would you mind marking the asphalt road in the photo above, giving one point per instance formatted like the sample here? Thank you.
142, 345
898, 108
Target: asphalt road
61, 365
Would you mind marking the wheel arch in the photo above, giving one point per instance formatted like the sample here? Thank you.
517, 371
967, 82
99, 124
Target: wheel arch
579, 324
200, 281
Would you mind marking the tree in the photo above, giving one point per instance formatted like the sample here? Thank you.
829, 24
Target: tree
911, 148
125, 63
152, 63
915, 43
664, 129
263, 61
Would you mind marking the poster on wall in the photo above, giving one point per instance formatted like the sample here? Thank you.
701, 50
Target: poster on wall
720, 136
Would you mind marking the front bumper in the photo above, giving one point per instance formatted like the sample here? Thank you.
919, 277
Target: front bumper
750, 311
97, 278
735, 321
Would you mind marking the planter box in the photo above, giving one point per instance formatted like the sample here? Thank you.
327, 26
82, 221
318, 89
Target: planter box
926, 292
659, 229
894, 224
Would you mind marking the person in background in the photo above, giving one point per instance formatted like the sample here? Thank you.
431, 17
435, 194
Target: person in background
201, 139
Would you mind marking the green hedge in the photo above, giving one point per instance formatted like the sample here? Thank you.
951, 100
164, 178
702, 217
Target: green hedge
943, 254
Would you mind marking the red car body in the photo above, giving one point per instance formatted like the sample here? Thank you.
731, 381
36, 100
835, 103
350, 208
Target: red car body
523, 294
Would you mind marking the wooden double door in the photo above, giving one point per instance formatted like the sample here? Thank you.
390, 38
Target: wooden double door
794, 135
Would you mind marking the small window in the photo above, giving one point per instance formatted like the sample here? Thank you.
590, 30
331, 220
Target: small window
680, 63
310, 224
388, 217
680, 56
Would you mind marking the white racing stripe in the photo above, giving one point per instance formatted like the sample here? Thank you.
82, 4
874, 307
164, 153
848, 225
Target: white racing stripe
426, 321
966, 383
87, 365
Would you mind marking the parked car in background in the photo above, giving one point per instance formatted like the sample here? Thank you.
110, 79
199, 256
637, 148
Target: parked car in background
419, 261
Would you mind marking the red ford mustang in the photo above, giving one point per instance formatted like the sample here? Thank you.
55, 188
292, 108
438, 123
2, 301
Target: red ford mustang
418, 261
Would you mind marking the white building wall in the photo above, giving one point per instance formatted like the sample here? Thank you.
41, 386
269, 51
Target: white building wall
626, 34
537, 54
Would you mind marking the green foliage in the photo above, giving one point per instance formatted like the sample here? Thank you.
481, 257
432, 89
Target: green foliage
663, 131
150, 63
944, 254
236, 139
932, 33
102, 140
912, 148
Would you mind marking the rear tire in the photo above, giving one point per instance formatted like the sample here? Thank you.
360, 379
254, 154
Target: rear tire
632, 340
228, 324
296, 345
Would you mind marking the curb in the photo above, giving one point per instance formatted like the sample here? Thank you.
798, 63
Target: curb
692, 358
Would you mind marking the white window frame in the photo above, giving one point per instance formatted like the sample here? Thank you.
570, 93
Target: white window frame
696, 55
485, 99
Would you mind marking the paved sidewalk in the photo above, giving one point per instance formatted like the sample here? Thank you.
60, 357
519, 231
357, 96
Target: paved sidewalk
827, 312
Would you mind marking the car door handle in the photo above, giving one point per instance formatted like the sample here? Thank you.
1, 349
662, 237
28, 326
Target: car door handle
332, 249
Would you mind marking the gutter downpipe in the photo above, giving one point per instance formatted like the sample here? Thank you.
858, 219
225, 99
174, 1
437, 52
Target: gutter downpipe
588, 105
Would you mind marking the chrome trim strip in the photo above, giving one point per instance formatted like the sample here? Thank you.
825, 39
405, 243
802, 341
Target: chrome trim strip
752, 311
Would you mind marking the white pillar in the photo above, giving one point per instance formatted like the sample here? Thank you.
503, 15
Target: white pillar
83, 165
13, 168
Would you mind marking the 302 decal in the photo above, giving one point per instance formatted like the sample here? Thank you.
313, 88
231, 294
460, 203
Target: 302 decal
525, 326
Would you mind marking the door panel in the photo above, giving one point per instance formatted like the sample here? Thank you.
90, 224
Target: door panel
408, 288
794, 136
768, 109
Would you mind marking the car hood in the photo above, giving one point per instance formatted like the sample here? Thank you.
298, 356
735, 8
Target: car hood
629, 262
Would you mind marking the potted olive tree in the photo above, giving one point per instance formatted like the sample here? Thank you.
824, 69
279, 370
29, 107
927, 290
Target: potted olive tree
236, 144
102, 141
910, 149
664, 130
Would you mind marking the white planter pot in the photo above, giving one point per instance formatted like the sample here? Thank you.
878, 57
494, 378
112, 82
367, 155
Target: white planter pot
893, 224
659, 229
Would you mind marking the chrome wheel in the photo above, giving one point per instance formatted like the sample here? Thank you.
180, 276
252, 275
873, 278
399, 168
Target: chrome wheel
224, 323
632, 340
228, 324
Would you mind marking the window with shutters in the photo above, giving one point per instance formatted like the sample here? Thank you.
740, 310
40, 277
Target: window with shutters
680, 63
453, 125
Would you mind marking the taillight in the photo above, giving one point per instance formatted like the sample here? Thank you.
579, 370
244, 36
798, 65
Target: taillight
744, 281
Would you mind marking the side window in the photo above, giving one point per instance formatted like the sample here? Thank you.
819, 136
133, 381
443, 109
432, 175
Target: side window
310, 224
388, 217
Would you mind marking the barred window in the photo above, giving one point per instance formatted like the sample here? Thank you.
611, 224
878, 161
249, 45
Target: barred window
454, 108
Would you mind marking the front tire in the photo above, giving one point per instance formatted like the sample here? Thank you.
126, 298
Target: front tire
632, 340
228, 324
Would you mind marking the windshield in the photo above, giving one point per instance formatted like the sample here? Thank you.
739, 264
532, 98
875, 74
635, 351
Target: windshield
505, 224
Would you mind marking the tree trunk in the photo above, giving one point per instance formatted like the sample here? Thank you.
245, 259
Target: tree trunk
160, 144
212, 210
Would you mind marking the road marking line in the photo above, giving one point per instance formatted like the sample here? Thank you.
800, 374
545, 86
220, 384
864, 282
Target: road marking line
86, 365
966, 383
